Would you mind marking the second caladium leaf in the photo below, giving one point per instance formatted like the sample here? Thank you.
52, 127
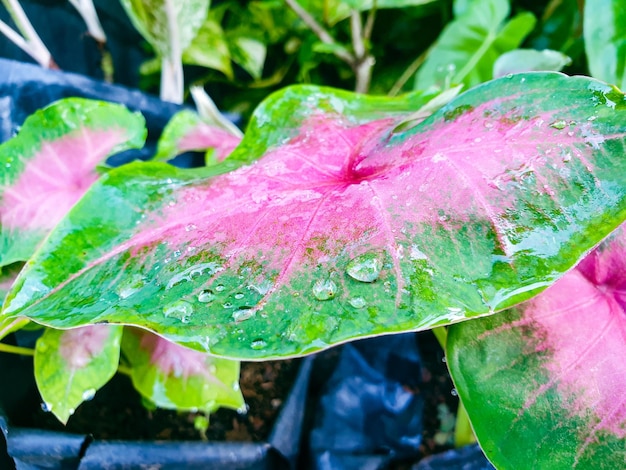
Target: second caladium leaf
187, 131
71, 365
49, 165
345, 228
172, 376
564, 351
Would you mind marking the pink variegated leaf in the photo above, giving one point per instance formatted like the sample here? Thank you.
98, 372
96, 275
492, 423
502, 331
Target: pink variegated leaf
552, 371
175, 377
71, 365
186, 131
342, 226
52, 161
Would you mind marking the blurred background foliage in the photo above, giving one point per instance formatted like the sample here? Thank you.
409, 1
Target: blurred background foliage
245, 50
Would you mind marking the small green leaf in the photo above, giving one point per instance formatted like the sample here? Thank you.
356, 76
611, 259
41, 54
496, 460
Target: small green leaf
71, 365
469, 46
605, 40
209, 48
529, 60
174, 377
249, 54
168, 25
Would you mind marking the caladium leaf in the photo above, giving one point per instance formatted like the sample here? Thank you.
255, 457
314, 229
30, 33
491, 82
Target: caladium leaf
172, 376
71, 365
50, 164
563, 351
605, 40
187, 131
529, 60
344, 228
468, 47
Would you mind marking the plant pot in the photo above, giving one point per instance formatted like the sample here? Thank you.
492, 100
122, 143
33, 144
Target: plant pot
38, 449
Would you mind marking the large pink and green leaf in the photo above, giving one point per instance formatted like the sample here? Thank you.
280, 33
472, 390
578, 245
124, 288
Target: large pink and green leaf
551, 372
48, 166
71, 365
344, 228
172, 376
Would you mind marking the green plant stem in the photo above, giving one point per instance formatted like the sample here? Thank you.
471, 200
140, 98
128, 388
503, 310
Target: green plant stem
124, 370
360, 62
463, 432
408, 73
7, 348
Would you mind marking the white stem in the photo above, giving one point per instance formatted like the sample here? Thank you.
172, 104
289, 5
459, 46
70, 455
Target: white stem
172, 79
90, 16
34, 45
209, 112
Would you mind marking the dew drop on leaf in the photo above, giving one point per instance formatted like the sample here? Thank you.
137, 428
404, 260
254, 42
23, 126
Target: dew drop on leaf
258, 344
206, 296
89, 394
219, 287
238, 295
129, 286
180, 309
242, 314
324, 289
243, 409
559, 124
357, 302
365, 268
47, 407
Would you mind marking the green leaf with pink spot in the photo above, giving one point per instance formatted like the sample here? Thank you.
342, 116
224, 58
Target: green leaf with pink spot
48, 166
551, 371
332, 226
71, 365
175, 377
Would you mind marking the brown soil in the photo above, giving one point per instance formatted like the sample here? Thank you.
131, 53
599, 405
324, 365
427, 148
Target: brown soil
116, 411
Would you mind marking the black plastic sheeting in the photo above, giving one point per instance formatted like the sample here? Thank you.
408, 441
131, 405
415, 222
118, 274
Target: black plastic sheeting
368, 416
64, 33
466, 458
25, 88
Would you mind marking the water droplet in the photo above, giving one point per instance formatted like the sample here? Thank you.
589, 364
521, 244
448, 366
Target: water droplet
243, 314
365, 268
454, 393
219, 287
235, 386
444, 359
238, 295
243, 409
71, 411
129, 286
592, 118
206, 296
180, 309
47, 407
478, 140
258, 344
560, 124
190, 227
324, 289
89, 394
227, 305
358, 302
